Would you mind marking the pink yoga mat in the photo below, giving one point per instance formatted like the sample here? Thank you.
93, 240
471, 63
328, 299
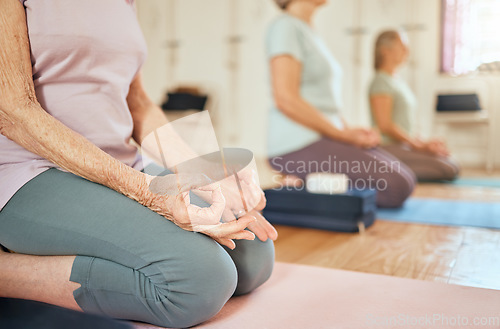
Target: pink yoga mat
299, 296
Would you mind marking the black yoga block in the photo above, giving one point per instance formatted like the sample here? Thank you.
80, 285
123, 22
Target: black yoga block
458, 103
329, 223
185, 101
335, 212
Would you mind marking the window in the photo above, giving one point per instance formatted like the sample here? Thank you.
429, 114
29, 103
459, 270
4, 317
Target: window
470, 36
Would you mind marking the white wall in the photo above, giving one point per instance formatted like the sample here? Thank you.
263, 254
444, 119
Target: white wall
238, 74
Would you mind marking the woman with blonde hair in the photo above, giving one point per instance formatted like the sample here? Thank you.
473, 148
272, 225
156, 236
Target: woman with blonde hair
392, 107
306, 131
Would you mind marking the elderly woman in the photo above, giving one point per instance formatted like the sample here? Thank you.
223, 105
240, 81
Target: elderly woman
393, 105
87, 232
306, 130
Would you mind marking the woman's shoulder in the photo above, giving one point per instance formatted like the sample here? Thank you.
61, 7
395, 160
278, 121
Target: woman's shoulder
284, 24
286, 37
381, 83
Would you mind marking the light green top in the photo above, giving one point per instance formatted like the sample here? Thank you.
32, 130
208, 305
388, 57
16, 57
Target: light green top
320, 84
404, 102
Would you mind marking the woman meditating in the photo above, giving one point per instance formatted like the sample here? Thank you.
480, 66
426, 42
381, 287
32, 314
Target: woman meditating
306, 130
76, 207
393, 107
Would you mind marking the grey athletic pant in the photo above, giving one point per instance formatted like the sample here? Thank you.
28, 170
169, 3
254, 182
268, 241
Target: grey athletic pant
427, 167
374, 168
132, 263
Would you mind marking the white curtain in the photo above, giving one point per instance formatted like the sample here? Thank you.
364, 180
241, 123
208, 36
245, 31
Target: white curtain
470, 39
458, 37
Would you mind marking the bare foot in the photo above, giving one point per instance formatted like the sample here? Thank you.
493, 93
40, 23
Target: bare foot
292, 181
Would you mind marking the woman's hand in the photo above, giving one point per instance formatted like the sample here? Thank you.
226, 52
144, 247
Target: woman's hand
169, 197
242, 193
261, 227
227, 201
247, 202
361, 137
437, 147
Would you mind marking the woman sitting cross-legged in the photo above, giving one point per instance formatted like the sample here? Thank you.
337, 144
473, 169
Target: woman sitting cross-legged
76, 207
306, 130
392, 106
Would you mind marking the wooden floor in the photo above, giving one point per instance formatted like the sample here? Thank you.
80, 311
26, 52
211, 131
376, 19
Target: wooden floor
456, 255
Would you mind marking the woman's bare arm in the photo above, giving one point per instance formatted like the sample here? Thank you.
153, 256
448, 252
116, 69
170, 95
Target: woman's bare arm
286, 77
25, 122
148, 116
381, 106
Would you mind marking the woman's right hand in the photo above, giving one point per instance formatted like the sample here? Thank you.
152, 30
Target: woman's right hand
437, 147
361, 137
169, 196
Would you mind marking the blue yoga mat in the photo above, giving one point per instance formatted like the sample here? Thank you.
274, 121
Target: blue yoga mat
481, 182
445, 212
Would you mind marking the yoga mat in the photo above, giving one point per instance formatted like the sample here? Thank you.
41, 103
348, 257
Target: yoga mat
480, 182
445, 212
298, 296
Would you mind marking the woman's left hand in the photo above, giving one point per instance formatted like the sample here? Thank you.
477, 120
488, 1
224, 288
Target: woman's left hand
243, 193
437, 147
261, 227
362, 137
249, 200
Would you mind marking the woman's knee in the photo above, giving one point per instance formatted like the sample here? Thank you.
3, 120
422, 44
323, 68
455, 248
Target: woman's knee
451, 170
254, 261
198, 291
398, 188
177, 292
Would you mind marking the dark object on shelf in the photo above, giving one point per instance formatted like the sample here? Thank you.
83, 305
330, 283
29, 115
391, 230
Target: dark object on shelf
27, 314
458, 103
333, 212
185, 98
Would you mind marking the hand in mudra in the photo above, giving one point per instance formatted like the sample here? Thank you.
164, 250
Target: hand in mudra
247, 200
362, 137
171, 199
437, 147
242, 194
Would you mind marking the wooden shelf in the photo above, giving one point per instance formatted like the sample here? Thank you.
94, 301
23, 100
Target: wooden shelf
463, 117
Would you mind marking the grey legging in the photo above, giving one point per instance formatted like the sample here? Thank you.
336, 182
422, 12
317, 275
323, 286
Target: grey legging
132, 263
427, 167
373, 168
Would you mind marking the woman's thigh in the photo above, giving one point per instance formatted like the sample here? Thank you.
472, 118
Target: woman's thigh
58, 213
130, 259
426, 166
374, 168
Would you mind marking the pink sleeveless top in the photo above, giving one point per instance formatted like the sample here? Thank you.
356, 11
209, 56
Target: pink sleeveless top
84, 56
